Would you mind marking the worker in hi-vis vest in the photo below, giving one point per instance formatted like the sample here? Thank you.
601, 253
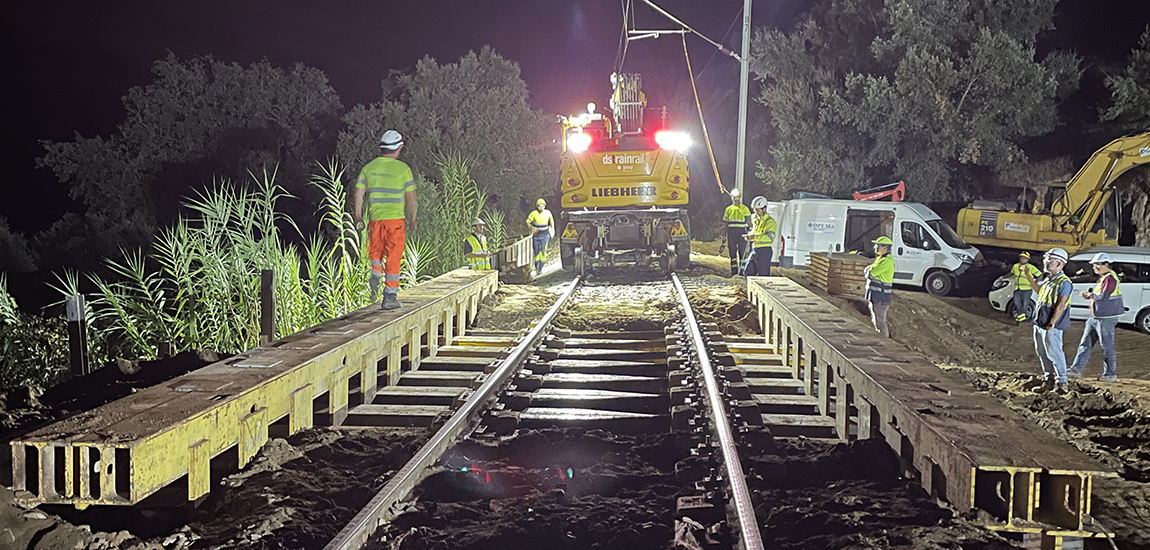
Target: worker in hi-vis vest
761, 236
736, 216
389, 187
542, 226
880, 284
1024, 274
1105, 307
475, 247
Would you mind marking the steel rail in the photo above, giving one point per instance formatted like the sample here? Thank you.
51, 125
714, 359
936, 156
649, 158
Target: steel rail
359, 530
748, 525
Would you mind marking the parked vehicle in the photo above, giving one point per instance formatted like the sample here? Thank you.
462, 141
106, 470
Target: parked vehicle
1131, 264
927, 251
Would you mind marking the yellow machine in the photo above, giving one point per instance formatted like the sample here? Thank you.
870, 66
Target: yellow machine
1083, 216
624, 186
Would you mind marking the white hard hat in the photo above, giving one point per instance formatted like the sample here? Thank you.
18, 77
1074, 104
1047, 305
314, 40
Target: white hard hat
735, 192
1101, 258
478, 221
759, 202
1057, 253
391, 140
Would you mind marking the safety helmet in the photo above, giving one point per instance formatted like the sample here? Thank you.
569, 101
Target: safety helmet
1024, 254
735, 192
541, 202
1101, 258
883, 240
391, 140
759, 202
1056, 253
478, 221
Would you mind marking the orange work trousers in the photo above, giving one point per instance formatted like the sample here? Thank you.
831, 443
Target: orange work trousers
385, 240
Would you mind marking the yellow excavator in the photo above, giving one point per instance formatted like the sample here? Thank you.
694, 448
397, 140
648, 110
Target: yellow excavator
1075, 220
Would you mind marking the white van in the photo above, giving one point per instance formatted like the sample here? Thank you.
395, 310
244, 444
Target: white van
1131, 264
927, 252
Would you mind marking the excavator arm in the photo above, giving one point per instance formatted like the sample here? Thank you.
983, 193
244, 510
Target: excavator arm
1087, 192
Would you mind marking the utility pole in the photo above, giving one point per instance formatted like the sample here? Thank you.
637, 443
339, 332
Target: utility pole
744, 77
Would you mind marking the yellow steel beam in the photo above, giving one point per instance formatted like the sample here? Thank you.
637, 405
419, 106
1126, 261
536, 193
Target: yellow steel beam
127, 450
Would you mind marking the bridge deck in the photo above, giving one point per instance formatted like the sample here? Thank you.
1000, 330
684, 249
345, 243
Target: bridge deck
965, 448
129, 449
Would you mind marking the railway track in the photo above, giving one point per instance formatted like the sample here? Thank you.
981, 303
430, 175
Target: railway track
629, 383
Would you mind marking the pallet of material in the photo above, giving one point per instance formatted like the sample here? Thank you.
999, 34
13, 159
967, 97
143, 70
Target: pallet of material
838, 273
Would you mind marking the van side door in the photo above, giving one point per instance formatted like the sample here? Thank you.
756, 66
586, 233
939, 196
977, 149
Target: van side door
913, 252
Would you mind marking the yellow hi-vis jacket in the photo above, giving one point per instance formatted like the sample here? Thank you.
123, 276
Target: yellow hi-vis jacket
764, 231
477, 244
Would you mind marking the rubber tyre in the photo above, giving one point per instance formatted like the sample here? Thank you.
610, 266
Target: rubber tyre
683, 251
938, 283
567, 256
1143, 321
1010, 310
579, 262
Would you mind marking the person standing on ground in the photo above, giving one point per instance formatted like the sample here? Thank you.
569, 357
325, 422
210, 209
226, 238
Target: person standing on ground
880, 284
1024, 275
389, 186
736, 216
475, 247
1051, 318
542, 226
1105, 308
761, 236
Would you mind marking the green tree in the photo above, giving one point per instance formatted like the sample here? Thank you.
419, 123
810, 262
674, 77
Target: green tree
933, 92
1130, 91
197, 119
476, 111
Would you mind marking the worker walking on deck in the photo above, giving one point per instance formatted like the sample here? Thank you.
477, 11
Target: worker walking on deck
761, 237
1105, 308
1051, 318
1024, 275
736, 216
389, 186
542, 226
475, 247
880, 284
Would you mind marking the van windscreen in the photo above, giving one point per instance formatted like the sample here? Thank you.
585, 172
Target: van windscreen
947, 234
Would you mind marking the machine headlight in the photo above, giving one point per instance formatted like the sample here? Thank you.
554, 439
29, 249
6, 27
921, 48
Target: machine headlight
676, 141
578, 143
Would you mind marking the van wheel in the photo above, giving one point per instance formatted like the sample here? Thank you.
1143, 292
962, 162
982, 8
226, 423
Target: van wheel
1143, 321
938, 283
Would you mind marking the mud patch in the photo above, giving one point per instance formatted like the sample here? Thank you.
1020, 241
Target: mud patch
513, 307
726, 306
816, 495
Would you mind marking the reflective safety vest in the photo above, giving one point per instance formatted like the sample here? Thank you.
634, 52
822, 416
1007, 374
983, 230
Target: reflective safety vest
540, 220
736, 215
1104, 306
1020, 280
1048, 297
765, 229
880, 279
477, 244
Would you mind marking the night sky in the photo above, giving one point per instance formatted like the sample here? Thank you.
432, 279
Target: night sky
69, 63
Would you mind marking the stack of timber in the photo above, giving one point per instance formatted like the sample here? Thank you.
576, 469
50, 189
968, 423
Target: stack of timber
838, 273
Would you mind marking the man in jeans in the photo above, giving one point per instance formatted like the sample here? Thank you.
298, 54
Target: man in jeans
1051, 318
1105, 308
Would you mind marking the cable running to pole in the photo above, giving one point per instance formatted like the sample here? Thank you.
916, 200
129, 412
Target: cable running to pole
703, 123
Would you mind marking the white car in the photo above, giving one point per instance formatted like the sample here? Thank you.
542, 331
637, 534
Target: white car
1130, 263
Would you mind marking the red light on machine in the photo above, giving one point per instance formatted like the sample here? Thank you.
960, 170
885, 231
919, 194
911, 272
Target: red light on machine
572, 182
575, 198
674, 195
676, 179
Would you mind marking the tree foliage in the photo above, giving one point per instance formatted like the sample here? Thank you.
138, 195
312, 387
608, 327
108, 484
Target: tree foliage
1130, 90
474, 110
933, 92
197, 119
